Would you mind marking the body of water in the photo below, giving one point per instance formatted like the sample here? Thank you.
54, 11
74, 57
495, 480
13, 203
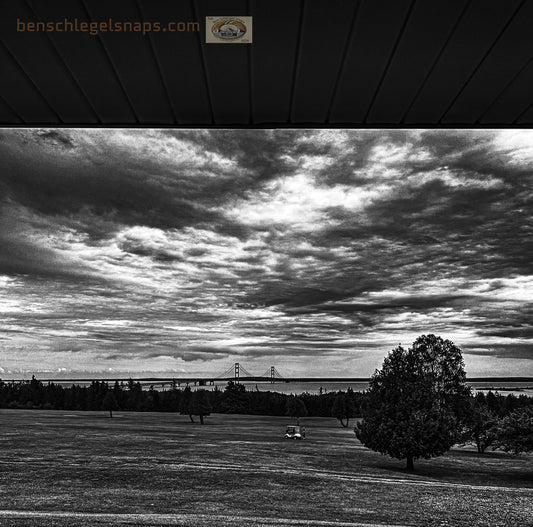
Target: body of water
504, 388
501, 386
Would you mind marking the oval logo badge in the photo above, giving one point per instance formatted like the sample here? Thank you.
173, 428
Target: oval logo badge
228, 29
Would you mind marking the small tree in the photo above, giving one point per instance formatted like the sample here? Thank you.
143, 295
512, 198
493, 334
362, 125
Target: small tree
185, 403
415, 403
514, 433
296, 408
480, 427
343, 408
235, 400
109, 403
200, 404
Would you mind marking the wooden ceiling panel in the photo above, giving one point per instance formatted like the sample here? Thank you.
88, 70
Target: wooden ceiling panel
7, 114
323, 39
133, 59
36, 55
377, 27
513, 101
179, 56
273, 58
526, 117
426, 34
510, 53
21, 93
481, 25
312, 63
85, 57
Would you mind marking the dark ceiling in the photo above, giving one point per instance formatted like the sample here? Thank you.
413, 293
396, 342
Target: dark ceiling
313, 62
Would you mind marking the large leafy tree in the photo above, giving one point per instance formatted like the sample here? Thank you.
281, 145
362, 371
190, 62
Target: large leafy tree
415, 404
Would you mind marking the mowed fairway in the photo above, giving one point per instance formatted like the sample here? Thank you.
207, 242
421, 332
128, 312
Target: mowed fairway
67, 468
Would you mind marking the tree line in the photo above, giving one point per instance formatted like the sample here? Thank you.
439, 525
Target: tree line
234, 398
484, 409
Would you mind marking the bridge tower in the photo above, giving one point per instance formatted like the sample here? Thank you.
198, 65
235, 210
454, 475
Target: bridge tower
237, 371
272, 373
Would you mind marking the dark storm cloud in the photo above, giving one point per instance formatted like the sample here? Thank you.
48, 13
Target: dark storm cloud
100, 198
210, 246
21, 257
96, 191
504, 351
524, 332
477, 213
55, 137
484, 228
261, 155
308, 296
98, 188
140, 249
418, 303
200, 354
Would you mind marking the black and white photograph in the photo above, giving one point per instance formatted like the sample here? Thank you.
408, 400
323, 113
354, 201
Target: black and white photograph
228, 326
266, 263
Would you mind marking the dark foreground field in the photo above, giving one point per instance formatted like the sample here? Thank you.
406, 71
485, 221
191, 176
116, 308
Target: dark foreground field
75, 468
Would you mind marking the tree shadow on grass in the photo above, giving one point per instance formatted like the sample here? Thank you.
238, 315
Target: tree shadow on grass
467, 468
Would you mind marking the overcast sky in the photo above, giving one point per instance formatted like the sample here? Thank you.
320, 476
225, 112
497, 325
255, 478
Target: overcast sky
314, 251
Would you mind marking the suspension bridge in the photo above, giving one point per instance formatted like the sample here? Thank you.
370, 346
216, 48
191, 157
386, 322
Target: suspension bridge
236, 372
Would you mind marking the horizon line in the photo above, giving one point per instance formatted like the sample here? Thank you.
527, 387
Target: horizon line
251, 379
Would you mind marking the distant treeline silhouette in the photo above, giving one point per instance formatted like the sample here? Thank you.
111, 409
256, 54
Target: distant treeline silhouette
130, 396
234, 398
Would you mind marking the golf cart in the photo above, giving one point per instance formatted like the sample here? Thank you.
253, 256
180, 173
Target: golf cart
295, 432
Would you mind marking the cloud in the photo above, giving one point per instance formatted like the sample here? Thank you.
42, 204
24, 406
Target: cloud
512, 332
55, 137
161, 249
505, 351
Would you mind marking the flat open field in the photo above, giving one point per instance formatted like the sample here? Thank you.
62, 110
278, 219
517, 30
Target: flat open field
60, 468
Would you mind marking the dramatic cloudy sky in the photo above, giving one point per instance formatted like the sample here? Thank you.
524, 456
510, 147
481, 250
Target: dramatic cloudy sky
315, 251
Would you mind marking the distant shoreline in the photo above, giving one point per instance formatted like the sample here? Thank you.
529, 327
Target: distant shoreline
254, 379
504, 388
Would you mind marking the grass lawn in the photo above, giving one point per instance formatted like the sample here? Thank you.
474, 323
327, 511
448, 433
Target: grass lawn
61, 468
